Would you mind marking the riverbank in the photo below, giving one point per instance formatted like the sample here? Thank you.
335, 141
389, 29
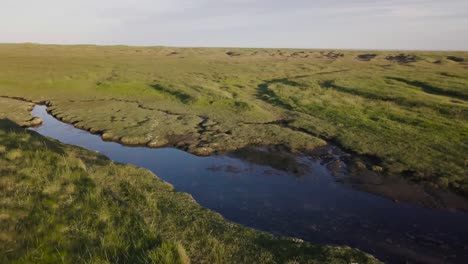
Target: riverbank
361, 171
407, 111
293, 195
66, 204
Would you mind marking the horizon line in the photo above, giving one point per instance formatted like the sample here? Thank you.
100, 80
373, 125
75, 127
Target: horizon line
225, 47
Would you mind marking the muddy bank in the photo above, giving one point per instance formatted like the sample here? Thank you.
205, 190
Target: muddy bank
368, 174
361, 172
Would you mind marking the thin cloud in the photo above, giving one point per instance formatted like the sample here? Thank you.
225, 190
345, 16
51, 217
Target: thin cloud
392, 24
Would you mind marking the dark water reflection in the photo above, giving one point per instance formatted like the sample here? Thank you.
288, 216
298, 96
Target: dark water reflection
295, 197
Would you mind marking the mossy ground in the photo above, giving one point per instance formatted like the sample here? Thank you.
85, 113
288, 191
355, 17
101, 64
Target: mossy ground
64, 204
408, 110
18, 111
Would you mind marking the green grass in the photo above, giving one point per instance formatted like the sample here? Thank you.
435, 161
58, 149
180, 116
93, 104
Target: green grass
64, 204
410, 115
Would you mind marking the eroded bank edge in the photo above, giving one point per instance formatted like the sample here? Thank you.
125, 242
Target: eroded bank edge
364, 172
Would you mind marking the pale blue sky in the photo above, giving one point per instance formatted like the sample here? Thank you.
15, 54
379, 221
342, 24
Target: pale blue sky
359, 24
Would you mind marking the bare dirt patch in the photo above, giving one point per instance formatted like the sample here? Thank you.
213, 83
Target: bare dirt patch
366, 57
455, 59
402, 58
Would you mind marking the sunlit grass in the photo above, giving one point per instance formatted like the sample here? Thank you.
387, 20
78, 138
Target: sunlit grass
412, 115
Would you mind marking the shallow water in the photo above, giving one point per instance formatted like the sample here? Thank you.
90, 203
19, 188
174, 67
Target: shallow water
310, 205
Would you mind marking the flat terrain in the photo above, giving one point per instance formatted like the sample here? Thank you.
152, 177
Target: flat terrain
404, 113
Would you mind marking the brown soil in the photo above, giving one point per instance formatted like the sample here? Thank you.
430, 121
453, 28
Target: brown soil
402, 58
366, 57
332, 55
233, 53
455, 59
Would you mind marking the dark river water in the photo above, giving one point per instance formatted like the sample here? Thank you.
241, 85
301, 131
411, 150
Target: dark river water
311, 205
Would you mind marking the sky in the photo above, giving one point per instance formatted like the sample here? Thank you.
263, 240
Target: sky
345, 24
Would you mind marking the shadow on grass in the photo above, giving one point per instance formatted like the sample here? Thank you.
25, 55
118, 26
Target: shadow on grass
427, 88
34, 142
8, 126
181, 96
330, 84
401, 101
266, 94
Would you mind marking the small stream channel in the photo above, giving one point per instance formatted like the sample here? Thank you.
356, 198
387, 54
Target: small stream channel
311, 205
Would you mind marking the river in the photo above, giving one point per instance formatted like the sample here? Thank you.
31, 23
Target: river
308, 203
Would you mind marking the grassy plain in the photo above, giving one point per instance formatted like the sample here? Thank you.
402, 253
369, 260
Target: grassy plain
408, 112
64, 204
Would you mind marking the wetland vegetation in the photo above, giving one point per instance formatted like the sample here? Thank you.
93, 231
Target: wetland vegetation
407, 111
402, 116
64, 204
